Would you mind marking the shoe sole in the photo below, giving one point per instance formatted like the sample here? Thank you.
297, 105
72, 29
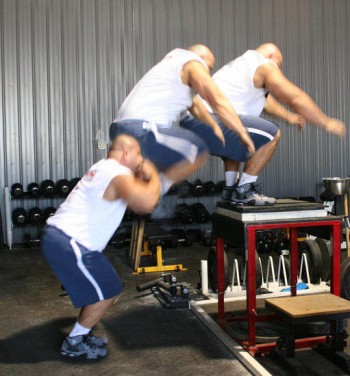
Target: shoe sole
80, 356
253, 203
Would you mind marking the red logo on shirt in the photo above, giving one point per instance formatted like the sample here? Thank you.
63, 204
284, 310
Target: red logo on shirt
90, 175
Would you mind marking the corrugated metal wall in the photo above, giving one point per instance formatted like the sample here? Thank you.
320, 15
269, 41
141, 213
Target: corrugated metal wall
66, 66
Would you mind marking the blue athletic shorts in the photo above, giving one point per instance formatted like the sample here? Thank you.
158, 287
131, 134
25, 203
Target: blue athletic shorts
87, 276
164, 147
260, 130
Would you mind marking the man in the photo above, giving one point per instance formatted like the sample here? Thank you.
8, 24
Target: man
156, 103
251, 82
74, 238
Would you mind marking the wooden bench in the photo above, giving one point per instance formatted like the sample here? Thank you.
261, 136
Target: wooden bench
299, 309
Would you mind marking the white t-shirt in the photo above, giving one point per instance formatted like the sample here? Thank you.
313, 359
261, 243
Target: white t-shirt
236, 80
85, 216
160, 96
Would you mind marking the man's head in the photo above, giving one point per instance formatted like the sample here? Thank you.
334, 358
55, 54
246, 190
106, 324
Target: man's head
271, 52
126, 150
205, 53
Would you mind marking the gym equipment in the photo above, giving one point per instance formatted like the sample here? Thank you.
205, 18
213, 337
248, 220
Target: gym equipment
16, 189
152, 243
326, 258
201, 214
198, 188
129, 215
35, 216
19, 217
195, 235
210, 188
184, 188
213, 270
48, 212
168, 291
345, 278
63, 187
314, 260
73, 182
34, 189
341, 187
183, 213
180, 236
48, 187
208, 239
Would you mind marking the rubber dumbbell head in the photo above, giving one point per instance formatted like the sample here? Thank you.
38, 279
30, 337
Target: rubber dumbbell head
62, 187
35, 216
34, 189
16, 189
19, 217
49, 212
48, 187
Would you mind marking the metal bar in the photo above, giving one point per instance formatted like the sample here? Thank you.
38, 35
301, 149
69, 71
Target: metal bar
221, 277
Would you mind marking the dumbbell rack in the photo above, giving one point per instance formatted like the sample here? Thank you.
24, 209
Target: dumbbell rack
8, 198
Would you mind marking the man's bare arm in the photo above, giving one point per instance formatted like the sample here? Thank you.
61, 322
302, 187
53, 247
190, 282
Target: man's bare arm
199, 111
301, 103
274, 108
198, 77
141, 194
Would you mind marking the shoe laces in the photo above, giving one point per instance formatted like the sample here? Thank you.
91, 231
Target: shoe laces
89, 341
257, 188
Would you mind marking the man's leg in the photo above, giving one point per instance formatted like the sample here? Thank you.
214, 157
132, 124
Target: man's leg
91, 314
246, 192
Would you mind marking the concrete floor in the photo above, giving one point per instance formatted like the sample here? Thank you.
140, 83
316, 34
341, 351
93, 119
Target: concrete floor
145, 338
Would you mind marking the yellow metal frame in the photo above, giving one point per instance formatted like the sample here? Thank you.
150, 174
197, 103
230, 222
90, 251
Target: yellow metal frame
158, 257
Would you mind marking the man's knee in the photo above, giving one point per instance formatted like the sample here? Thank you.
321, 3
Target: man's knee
277, 136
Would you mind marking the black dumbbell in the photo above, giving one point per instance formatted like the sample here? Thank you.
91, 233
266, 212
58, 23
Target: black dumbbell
198, 188
208, 238
183, 213
220, 185
201, 214
48, 187
184, 188
63, 187
129, 215
34, 189
73, 182
210, 187
35, 216
195, 235
49, 212
16, 189
182, 238
19, 217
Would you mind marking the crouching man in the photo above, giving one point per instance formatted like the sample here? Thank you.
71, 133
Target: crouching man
75, 236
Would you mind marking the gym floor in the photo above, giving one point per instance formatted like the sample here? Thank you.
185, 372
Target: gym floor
144, 337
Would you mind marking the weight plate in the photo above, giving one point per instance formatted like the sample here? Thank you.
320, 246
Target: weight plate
287, 266
265, 331
326, 256
212, 269
314, 258
258, 271
345, 278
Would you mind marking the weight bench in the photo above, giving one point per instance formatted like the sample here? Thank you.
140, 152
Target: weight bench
310, 308
151, 240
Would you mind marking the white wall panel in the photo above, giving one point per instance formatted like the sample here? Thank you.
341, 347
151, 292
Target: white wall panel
67, 65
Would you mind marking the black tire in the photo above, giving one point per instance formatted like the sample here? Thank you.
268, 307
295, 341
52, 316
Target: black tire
314, 258
345, 278
287, 266
258, 271
212, 269
326, 257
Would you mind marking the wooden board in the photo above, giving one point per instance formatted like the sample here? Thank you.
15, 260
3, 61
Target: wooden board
309, 305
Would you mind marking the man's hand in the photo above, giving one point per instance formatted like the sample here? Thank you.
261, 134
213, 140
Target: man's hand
146, 170
296, 119
247, 141
335, 126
